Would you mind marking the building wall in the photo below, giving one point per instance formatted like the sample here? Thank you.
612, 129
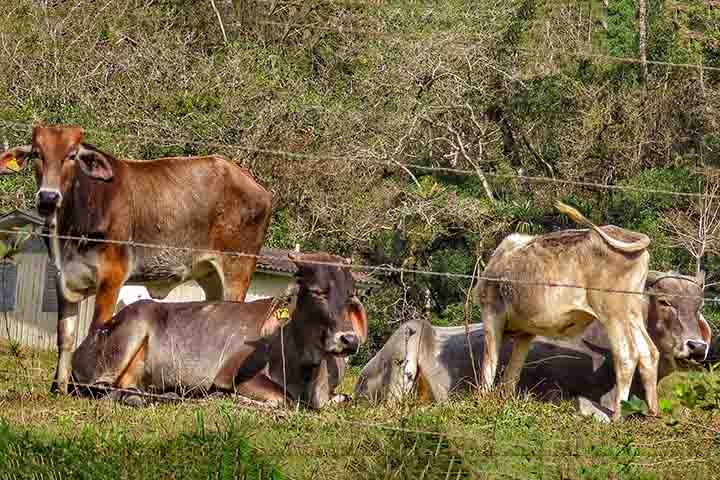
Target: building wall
32, 320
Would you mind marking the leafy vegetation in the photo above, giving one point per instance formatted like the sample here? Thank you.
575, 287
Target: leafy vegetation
475, 95
470, 86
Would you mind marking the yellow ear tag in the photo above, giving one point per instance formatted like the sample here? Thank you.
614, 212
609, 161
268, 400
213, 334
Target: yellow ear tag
13, 165
282, 314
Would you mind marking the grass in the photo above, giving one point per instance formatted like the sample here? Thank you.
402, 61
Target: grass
42, 436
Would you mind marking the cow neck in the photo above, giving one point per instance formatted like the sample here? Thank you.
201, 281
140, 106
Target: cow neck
85, 209
299, 372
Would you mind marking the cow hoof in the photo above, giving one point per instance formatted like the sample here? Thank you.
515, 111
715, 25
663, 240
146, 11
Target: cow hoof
58, 388
588, 408
101, 391
133, 399
340, 399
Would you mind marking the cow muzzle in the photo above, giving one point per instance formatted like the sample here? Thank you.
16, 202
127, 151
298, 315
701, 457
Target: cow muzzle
344, 343
48, 200
697, 350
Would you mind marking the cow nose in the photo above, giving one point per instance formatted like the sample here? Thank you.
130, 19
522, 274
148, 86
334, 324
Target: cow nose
47, 201
349, 342
697, 349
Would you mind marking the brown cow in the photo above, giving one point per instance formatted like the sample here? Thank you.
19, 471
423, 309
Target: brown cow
432, 363
514, 299
198, 202
235, 347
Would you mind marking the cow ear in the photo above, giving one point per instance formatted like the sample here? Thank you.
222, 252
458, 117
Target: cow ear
705, 330
359, 319
94, 164
14, 160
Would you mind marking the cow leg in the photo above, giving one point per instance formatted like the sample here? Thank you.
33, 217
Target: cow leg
624, 360
521, 347
648, 357
212, 285
494, 325
117, 356
238, 272
112, 272
262, 388
66, 333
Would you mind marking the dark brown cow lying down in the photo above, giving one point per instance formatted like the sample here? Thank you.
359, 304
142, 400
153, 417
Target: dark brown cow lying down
206, 203
433, 362
232, 347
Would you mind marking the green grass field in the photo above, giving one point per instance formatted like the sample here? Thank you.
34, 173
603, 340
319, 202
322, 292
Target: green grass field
42, 436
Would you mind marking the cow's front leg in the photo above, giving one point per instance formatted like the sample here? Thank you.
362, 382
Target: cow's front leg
262, 388
66, 333
112, 271
521, 347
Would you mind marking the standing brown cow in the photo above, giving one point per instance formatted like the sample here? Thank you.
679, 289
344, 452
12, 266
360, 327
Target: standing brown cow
205, 203
515, 299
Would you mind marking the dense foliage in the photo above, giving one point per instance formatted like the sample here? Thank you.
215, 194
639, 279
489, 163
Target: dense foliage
494, 89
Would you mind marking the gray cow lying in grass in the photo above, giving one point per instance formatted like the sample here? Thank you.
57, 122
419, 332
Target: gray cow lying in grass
430, 363
232, 347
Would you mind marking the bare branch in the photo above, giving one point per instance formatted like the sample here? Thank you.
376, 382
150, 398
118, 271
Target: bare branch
222, 27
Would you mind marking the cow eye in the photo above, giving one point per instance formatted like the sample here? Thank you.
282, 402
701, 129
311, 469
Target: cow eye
318, 292
665, 303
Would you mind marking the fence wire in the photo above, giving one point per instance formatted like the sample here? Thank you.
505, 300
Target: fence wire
362, 158
388, 270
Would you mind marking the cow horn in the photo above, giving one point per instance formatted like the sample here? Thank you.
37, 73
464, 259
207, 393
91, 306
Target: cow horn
347, 261
700, 278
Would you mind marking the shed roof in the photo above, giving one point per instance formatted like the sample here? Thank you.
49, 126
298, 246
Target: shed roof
273, 261
19, 218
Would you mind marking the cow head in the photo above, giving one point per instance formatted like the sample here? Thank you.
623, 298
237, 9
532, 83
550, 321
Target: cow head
675, 322
58, 151
328, 316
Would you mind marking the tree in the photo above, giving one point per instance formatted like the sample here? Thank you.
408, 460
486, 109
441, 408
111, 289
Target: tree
697, 229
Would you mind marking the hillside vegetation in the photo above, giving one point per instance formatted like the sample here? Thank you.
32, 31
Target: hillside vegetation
483, 88
395, 132
495, 88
